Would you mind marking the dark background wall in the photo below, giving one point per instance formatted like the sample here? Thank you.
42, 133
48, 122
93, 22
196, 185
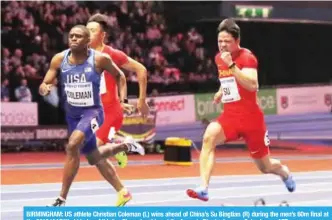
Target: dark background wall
290, 51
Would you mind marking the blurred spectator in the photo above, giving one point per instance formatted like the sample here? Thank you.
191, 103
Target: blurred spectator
33, 31
153, 33
5, 60
23, 93
156, 77
194, 36
154, 93
132, 77
16, 60
5, 91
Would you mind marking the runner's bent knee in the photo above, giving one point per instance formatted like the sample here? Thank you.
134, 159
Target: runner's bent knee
74, 143
72, 148
213, 134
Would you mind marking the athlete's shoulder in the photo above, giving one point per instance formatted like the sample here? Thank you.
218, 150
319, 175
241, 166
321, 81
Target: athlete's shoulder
117, 56
111, 51
58, 57
62, 53
110, 48
116, 52
247, 58
107, 49
246, 53
99, 54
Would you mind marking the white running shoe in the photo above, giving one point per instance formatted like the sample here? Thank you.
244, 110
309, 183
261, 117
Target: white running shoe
134, 146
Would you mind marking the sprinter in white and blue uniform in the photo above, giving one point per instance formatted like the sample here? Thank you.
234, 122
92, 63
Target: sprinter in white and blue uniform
80, 72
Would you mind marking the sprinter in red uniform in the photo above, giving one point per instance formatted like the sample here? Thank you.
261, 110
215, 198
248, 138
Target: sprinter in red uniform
113, 105
242, 116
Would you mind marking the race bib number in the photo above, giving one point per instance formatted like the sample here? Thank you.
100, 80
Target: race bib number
94, 125
266, 139
111, 134
229, 89
79, 94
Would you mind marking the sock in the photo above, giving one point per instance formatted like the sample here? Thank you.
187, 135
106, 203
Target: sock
288, 178
61, 198
123, 191
204, 188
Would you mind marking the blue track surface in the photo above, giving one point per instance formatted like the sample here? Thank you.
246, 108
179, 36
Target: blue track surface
314, 189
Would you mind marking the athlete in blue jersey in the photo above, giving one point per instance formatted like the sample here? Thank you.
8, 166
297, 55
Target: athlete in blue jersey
80, 72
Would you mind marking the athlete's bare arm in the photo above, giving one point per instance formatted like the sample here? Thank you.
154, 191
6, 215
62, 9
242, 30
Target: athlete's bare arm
134, 66
220, 89
122, 87
104, 62
51, 74
247, 77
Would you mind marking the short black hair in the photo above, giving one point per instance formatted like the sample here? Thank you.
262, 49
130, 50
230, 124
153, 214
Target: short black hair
83, 28
100, 19
230, 26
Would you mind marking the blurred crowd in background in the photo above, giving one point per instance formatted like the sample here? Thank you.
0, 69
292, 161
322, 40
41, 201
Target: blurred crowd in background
33, 31
178, 53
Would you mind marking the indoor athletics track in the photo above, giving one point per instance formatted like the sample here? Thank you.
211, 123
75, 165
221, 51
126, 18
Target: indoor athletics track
32, 179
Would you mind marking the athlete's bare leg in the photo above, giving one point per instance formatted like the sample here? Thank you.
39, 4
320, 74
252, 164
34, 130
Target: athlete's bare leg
107, 170
99, 158
213, 136
267, 164
72, 162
